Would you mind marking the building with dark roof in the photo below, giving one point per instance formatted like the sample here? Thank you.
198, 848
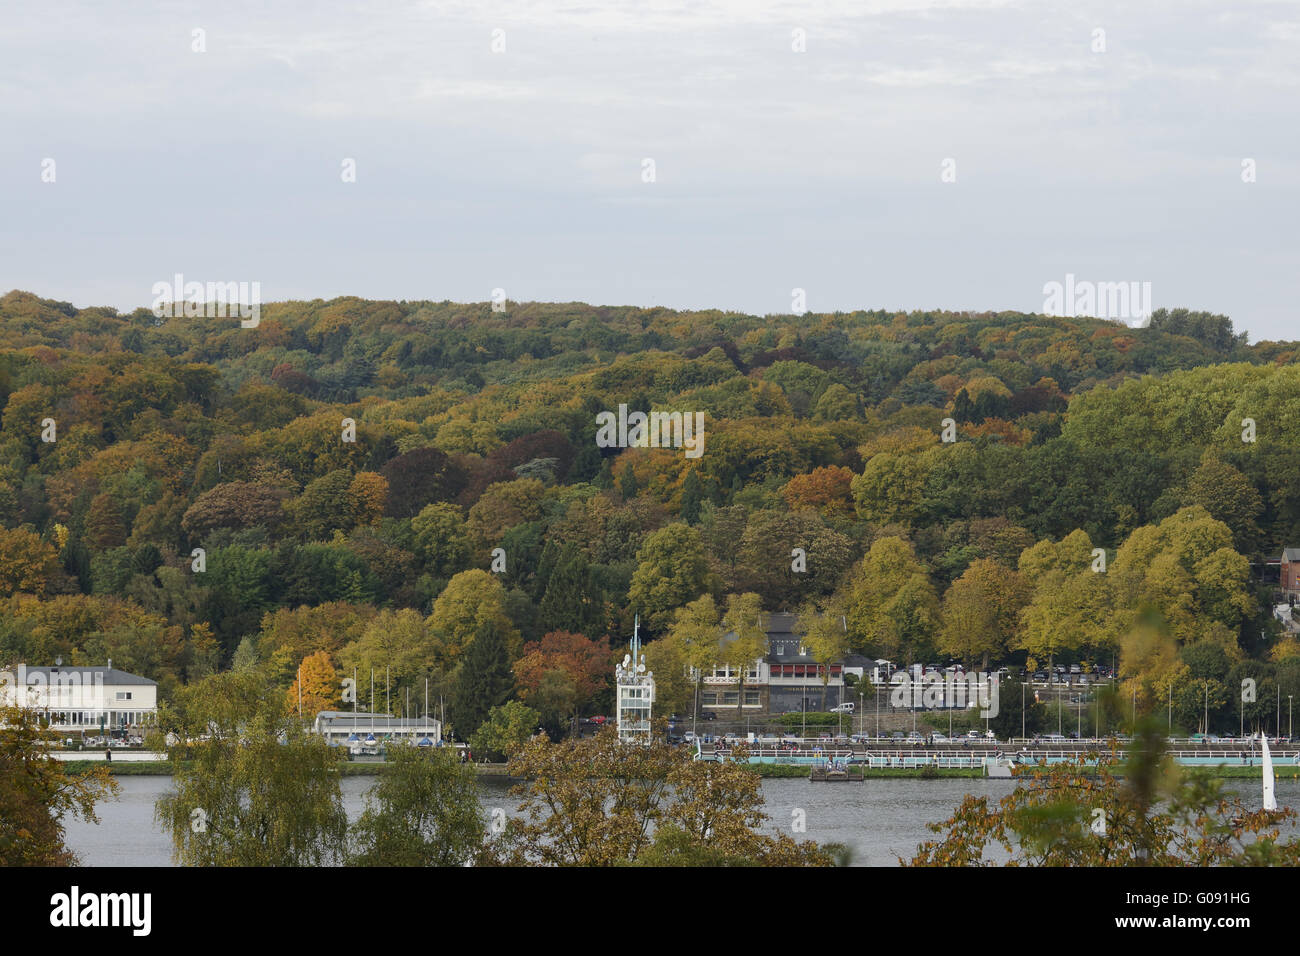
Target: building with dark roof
785, 679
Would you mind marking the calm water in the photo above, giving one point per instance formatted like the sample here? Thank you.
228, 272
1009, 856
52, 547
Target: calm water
879, 819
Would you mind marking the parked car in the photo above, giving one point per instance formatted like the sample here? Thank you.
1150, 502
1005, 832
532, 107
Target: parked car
708, 715
973, 735
598, 719
845, 708
938, 738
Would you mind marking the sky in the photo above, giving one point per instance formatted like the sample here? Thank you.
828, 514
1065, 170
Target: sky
936, 154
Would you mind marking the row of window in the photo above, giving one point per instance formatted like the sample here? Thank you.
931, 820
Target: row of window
780, 670
804, 670
729, 698
90, 718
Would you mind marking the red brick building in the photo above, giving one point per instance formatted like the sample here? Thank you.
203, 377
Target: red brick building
1289, 579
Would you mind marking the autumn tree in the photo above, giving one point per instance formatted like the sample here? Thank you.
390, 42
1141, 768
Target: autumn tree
269, 797
981, 612
471, 599
231, 504
441, 538
744, 639
1151, 813
586, 664
37, 793
597, 802
827, 490
316, 687
696, 634
825, 635
26, 562
671, 570
892, 605
1067, 610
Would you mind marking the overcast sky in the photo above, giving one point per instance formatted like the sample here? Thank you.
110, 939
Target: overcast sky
773, 169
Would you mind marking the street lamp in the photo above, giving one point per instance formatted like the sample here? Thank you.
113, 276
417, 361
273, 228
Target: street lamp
1207, 707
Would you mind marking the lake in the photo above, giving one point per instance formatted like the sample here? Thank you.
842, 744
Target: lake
879, 819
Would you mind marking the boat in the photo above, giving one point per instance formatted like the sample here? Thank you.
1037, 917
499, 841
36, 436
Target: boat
833, 772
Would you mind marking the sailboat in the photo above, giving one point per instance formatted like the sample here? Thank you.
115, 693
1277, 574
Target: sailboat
1270, 795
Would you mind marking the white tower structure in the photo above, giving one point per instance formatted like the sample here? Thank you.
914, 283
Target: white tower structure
635, 694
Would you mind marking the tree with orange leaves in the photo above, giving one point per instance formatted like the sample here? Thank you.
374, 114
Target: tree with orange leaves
585, 664
319, 683
828, 490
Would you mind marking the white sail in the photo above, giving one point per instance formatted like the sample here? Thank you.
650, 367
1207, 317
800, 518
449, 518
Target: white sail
1270, 798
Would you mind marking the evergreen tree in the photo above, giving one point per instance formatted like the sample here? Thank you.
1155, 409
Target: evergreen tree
588, 463
627, 483
485, 680
571, 602
963, 409
552, 557
692, 496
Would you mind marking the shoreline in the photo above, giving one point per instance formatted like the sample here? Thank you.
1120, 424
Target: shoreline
163, 768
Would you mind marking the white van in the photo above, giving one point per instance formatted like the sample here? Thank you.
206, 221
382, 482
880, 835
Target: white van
846, 708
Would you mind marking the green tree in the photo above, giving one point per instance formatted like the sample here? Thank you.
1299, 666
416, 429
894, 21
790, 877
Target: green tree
485, 680
267, 796
506, 729
692, 497
422, 811
572, 601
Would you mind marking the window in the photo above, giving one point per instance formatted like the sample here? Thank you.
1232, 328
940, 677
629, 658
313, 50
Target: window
751, 698
710, 698
731, 698
123, 695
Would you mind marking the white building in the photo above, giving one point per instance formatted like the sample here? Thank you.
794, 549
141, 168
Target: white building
635, 693
365, 733
82, 698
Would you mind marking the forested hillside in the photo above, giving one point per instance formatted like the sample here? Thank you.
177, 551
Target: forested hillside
475, 430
